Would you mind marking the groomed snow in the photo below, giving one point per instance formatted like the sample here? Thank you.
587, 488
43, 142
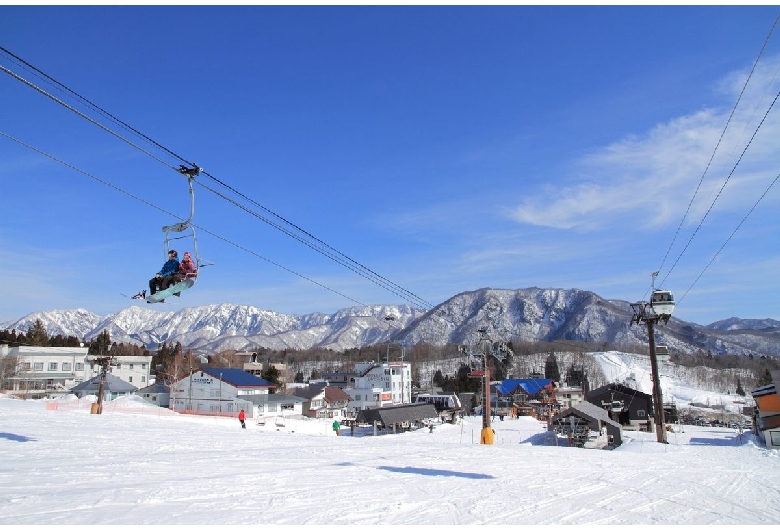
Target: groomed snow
140, 465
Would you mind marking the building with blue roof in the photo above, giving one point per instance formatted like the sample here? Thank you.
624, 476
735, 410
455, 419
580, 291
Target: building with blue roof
218, 391
534, 397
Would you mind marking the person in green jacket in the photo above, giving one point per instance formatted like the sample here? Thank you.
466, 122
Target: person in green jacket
336, 426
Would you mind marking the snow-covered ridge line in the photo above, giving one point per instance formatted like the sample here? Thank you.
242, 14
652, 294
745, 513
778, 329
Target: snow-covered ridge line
532, 314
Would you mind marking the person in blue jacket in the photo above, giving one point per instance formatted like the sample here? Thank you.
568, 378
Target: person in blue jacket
162, 278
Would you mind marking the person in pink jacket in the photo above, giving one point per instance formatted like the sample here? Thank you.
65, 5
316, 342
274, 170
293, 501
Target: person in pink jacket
186, 270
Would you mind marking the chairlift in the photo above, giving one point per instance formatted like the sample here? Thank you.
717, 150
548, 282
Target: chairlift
181, 231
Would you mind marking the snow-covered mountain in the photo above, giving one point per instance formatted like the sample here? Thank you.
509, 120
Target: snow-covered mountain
531, 314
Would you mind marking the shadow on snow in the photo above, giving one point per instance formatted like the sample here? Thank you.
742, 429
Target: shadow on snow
16, 437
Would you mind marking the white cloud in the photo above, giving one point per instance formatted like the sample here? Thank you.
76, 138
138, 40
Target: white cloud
650, 178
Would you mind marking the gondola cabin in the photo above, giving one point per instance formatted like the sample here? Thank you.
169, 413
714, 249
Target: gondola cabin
662, 302
613, 406
440, 401
662, 353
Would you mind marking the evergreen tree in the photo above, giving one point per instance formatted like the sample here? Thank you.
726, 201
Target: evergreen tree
299, 377
740, 391
765, 379
438, 379
551, 368
100, 346
464, 382
36, 335
271, 374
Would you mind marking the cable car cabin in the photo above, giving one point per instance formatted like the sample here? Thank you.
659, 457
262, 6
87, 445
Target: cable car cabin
613, 406
662, 302
662, 353
439, 401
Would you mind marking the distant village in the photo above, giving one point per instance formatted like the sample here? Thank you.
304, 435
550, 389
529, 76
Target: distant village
378, 394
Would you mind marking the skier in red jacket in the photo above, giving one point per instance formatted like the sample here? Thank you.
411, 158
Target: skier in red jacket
241, 418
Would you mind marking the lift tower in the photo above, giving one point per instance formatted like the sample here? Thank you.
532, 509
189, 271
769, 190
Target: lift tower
659, 309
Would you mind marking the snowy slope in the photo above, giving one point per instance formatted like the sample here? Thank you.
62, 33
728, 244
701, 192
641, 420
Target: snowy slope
126, 467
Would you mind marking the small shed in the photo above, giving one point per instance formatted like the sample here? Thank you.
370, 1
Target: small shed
158, 394
581, 419
399, 416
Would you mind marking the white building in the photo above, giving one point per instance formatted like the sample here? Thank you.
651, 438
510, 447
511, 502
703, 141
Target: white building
40, 371
570, 396
379, 385
133, 369
218, 391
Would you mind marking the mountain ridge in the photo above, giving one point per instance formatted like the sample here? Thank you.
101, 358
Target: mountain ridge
528, 314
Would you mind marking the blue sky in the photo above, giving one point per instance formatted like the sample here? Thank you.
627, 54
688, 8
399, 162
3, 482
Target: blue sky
446, 149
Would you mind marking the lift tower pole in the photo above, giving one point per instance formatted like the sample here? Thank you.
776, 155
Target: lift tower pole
104, 362
644, 312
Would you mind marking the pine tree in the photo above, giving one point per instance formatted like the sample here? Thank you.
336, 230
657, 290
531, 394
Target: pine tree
739, 391
271, 375
36, 335
765, 379
551, 368
100, 345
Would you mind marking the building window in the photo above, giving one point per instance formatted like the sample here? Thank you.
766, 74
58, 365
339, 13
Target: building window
131, 366
143, 379
66, 367
640, 413
25, 366
143, 366
79, 367
52, 367
38, 366
130, 379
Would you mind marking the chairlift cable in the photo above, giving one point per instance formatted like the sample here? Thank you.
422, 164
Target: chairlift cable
81, 114
730, 236
152, 205
712, 204
386, 284
720, 139
93, 105
373, 276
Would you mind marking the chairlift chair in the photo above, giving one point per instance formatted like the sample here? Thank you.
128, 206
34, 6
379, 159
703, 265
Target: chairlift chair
178, 231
